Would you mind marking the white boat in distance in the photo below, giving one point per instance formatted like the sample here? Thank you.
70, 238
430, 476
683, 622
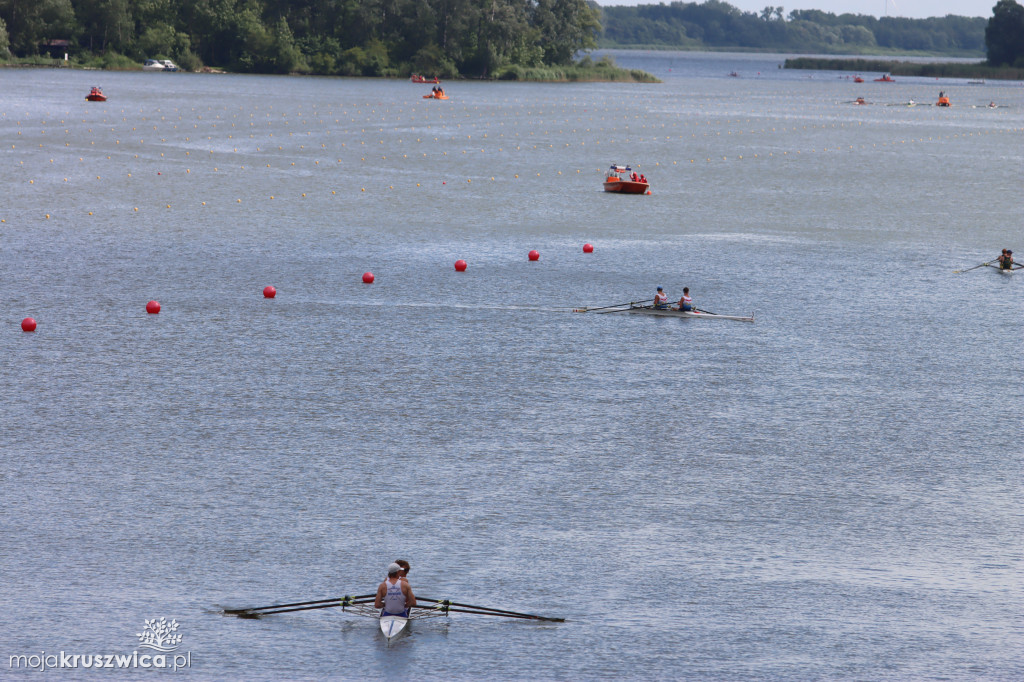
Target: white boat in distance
159, 65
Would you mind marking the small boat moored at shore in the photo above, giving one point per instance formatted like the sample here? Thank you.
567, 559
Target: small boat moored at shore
159, 65
622, 180
96, 95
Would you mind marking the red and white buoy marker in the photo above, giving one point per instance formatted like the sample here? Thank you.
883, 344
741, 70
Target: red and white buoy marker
152, 307
460, 265
534, 255
28, 325
367, 278
588, 248
269, 292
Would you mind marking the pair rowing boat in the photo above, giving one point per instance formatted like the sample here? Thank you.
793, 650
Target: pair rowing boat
648, 308
391, 625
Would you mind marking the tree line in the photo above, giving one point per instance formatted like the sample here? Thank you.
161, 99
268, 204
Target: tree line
447, 38
719, 25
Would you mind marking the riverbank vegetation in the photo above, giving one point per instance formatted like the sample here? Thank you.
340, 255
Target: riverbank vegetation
517, 39
974, 70
714, 25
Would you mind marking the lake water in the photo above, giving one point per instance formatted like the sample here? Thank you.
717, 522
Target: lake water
832, 492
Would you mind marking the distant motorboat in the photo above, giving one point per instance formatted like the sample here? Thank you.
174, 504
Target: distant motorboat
159, 65
96, 95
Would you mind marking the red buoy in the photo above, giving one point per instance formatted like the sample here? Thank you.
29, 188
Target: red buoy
535, 255
588, 248
367, 278
269, 292
28, 325
460, 265
152, 307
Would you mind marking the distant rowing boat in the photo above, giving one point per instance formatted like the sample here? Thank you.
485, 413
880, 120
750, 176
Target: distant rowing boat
391, 626
647, 308
675, 312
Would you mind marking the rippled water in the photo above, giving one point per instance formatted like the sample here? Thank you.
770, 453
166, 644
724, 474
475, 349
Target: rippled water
832, 492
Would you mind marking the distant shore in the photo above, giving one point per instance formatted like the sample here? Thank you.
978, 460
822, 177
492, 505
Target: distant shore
585, 71
974, 71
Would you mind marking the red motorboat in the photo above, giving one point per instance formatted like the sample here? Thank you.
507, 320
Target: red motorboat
885, 79
96, 95
858, 79
620, 179
420, 79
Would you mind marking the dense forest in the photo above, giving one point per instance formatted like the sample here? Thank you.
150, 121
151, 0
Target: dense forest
474, 38
537, 39
719, 25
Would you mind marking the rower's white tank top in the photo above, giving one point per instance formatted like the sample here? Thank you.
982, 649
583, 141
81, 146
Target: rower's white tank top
394, 600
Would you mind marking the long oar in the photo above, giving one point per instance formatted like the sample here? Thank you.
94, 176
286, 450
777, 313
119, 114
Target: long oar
446, 604
587, 309
336, 601
332, 605
957, 272
706, 312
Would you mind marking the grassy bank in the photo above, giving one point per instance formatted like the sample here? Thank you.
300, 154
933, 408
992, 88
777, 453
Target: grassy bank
979, 70
585, 70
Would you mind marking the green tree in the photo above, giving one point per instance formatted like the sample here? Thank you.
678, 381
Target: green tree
29, 22
566, 27
105, 24
4, 41
1004, 35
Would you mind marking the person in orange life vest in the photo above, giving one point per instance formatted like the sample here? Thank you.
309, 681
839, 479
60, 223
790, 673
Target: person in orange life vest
394, 595
642, 178
660, 299
686, 303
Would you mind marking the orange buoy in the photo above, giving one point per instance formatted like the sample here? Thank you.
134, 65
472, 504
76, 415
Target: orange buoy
460, 265
152, 307
28, 325
535, 255
367, 278
269, 292
588, 248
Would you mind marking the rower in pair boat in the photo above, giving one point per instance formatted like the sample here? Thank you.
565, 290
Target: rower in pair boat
393, 605
659, 307
1004, 264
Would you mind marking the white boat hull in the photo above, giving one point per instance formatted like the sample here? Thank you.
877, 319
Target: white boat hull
393, 626
696, 314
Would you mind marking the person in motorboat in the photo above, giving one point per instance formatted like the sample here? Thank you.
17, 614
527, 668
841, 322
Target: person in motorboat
1006, 260
394, 595
686, 303
642, 179
660, 299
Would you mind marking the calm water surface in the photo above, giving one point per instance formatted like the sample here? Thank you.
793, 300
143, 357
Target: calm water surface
832, 492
